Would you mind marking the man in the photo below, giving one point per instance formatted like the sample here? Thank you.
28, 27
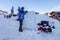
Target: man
21, 14
12, 11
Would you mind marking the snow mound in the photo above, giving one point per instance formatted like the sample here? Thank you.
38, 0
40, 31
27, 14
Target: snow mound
9, 28
31, 20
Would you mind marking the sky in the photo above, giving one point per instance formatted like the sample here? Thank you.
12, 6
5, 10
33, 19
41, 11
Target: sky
40, 6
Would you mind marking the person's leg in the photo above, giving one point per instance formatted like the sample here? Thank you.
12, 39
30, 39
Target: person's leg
20, 27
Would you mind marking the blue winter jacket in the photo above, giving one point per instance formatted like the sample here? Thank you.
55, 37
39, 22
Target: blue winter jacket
20, 14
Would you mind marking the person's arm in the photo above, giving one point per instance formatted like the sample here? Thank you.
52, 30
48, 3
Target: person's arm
25, 12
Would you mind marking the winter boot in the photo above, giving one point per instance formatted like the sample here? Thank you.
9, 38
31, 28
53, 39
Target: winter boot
20, 29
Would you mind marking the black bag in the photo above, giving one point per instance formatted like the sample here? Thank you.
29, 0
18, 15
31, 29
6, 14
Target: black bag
45, 22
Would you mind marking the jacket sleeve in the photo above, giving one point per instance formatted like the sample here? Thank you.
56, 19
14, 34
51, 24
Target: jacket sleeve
25, 12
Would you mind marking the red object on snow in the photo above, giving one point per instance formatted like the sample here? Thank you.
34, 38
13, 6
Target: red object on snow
15, 14
42, 29
39, 24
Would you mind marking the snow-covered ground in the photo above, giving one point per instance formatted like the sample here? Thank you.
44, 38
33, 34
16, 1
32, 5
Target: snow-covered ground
9, 28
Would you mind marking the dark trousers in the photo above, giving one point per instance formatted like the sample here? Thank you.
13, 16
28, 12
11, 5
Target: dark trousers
20, 24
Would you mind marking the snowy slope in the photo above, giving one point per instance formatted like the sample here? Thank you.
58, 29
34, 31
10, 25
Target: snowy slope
9, 28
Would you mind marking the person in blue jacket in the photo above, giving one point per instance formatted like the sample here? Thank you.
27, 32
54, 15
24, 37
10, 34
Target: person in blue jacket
21, 14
